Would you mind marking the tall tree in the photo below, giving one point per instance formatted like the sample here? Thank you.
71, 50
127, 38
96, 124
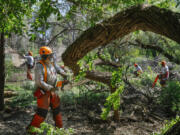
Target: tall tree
12, 13
2, 71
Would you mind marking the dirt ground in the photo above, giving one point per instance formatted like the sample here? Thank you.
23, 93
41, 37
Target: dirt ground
14, 122
86, 121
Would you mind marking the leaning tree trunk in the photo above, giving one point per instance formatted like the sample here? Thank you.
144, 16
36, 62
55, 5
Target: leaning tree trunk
141, 17
2, 70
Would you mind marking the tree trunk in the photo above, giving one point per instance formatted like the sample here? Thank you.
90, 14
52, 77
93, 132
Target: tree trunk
116, 112
2, 70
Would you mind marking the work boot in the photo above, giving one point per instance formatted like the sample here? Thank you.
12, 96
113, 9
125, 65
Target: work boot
58, 121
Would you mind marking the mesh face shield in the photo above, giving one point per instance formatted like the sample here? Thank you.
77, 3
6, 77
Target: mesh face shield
50, 56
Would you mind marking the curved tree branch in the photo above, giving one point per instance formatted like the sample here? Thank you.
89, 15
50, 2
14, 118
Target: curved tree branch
141, 17
104, 77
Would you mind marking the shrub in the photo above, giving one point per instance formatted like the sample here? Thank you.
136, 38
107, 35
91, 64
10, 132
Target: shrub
147, 78
48, 129
10, 69
29, 85
170, 97
82, 96
24, 97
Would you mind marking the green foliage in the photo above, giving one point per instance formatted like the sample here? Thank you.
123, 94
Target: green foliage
82, 96
96, 10
170, 97
93, 11
147, 78
44, 9
87, 60
163, 3
117, 77
113, 100
68, 97
12, 14
168, 125
10, 69
28, 85
24, 96
48, 129
81, 75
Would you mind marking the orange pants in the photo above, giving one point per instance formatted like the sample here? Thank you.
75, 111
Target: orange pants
29, 76
48, 99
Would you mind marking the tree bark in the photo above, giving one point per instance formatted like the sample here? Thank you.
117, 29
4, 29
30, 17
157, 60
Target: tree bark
2, 71
141, 17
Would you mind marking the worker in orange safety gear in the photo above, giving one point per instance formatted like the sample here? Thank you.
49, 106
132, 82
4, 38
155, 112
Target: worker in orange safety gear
138, 70
30, 64
163, 76
46, 89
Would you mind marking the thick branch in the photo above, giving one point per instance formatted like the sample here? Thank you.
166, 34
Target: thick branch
104, 77
141, 17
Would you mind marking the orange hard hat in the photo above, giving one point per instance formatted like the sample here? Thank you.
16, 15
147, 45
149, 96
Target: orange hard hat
163, 62
30, 53
135, 65
45, 50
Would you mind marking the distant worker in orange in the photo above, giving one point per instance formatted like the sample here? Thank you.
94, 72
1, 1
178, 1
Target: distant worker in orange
138, 70
30, 64
163, 75
46, 89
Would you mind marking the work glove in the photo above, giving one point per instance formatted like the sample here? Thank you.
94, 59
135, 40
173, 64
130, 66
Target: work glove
54, 89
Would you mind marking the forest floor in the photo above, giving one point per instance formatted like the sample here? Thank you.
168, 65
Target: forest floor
135, 119
84, 121
14, 123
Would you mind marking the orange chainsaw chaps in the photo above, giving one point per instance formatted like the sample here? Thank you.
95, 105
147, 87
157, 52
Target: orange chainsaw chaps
155, 81
29, 76
59, 84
